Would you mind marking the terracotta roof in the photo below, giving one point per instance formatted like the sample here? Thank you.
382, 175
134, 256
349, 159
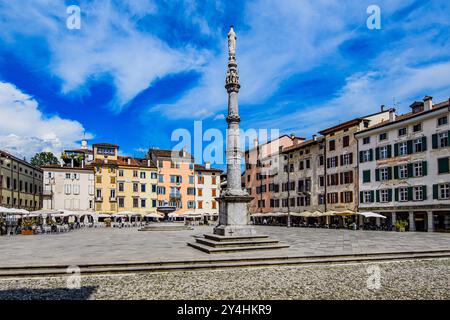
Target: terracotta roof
342, 126
198, 167
407, 116
170, 153
294, 138
302, 145
101, 162
134, 162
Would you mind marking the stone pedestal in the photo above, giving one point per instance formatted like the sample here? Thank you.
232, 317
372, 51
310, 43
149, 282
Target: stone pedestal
233, 216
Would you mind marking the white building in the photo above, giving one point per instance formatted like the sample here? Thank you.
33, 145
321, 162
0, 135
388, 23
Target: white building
404, 167
68, 188
207, 189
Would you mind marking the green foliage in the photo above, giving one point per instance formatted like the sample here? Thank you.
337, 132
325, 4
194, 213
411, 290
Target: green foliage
44, 159
400, 224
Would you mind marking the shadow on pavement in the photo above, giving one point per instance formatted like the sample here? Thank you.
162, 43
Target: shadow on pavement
48, 294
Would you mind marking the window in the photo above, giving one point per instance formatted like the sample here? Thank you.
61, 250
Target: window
142, 175
383, 136
321, 181
366, 140
403, 194
443, 165
443, 139
367, 197
190, 204
442, 121
143, 203
384, 152
384, 174
120, 173
402, 148
161, 178
346, 141
418, 169
332, 145
347, 159
67, 175
418, 194
143, 187
76, 189
154, 175
113, 180
200, 204
67, 188
121, 202
135, 174
112, 193
366, 124
366, 156
135, 187
135, 202
347, 197
321, 160
402, 132
332, 197
384, 195
444, 191
417, 127
417, 145
99, 179
333, 162
403, 171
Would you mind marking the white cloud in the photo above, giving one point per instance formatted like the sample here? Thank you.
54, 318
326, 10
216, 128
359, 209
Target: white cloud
25, 130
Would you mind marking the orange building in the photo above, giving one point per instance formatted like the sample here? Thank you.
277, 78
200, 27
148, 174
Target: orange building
176, 178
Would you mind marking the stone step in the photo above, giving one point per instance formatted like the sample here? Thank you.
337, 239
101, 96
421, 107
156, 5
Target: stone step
219, 238
236, 243
230, 249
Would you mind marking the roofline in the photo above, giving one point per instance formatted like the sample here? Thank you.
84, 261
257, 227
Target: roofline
388, 123
302, 145
7, 154
267, 142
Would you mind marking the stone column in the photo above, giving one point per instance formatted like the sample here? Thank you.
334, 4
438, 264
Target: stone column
377, 221
412, 224
430, 221
393, 218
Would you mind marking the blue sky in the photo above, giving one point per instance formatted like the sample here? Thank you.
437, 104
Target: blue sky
138, 70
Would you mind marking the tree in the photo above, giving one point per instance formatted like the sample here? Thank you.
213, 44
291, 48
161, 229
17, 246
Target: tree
44, 159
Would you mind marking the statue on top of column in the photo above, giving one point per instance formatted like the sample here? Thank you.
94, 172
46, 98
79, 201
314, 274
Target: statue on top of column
231, 42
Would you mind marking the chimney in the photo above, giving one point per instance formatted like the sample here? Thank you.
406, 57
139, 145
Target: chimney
391, 115
129, 161
427, 103
382, 107
314, 136
207, 165
148, 162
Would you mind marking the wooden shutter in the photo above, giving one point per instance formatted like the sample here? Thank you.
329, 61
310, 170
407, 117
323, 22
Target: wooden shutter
377, 174
396, 175
377, 153
424, 143
396, 150
435, 191
424, 191
434, 141
424, 168
389, 151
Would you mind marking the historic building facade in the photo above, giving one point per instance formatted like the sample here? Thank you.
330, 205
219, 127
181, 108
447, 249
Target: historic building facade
341, 162
176, 178
300, 185
404, 167
261, 169
20, 183
207, 189
68, 188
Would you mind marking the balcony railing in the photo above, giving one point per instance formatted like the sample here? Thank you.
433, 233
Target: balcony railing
99, 199
175, 195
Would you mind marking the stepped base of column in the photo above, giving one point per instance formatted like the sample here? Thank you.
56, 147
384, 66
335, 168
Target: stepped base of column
214, 243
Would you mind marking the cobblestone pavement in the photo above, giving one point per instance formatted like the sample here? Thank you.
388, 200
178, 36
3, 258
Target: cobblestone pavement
419, 279
108, 245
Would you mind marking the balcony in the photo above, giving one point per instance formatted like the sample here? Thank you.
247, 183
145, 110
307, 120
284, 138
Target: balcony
99, 199
47, 193
175, 196
112, 199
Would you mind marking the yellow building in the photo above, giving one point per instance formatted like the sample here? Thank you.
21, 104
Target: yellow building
105, 167
137, 181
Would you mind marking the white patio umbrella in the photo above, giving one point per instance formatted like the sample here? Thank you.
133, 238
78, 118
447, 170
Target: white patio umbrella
153, 215
371, 215
14, 211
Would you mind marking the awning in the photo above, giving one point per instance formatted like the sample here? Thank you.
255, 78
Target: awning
14, 211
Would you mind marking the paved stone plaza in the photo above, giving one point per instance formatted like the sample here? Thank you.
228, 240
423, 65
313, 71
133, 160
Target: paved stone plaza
419, 279
130, 245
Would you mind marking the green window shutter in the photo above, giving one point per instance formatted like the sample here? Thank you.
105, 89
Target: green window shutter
395, 172
389, 151
377, 174
378, 195
424, 143
389, 173
396, 150
435, 191
410, 170
396, 194
424, 168
361, 157
409, 146
434, 139
424, 190
372, 196
389, 195
366, 176
410, 193
361, 197
371, 153
443, 165
377, 153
